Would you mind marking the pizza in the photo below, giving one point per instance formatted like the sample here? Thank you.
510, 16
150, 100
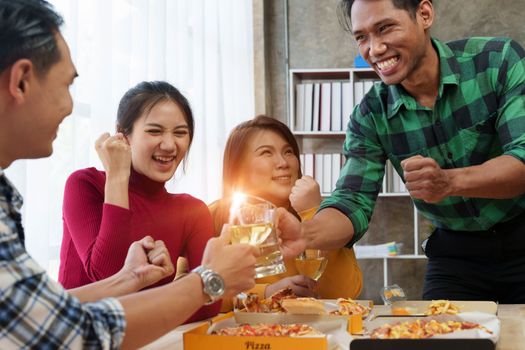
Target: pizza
269, 330
439, 307
303, 306
350, 307
253, 303
421, 329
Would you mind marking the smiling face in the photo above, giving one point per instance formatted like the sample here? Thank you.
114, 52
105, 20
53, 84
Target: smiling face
159, 141
270, 167
393, 42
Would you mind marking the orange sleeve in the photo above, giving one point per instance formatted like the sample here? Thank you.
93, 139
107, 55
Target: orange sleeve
343, 277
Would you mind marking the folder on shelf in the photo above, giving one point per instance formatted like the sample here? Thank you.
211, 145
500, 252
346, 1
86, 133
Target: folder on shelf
358, 92
299, 107
346, 102
336, 168
367, 85
316, 106
326, 106
308, 106
308, 164
318, 169
335, 119
326, 186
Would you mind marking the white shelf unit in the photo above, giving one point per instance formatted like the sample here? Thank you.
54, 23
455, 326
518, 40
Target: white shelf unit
351, 75
312, 77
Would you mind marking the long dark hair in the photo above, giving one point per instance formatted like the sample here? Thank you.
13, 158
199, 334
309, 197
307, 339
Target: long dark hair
234, 154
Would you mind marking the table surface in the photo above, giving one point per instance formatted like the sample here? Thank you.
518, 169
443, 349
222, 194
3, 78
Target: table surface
512, 335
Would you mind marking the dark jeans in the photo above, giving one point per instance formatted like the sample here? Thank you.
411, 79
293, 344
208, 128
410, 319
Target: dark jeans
482, 265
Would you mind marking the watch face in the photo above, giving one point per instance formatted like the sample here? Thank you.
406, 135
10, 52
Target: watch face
216, 285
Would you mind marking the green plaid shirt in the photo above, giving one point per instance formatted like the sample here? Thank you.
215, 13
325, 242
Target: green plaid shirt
479, 114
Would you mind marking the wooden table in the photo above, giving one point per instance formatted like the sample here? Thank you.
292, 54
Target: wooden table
512, 335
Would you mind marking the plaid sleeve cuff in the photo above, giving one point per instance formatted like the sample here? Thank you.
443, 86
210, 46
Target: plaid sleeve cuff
517, 152
108, 324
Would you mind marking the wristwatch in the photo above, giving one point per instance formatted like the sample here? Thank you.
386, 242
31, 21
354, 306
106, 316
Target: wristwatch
213, 284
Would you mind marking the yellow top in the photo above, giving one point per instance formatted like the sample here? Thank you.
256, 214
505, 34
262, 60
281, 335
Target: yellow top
341, 279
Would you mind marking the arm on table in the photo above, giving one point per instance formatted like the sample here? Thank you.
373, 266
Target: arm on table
154, 312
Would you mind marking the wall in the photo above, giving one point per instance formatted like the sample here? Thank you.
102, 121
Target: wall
316, 40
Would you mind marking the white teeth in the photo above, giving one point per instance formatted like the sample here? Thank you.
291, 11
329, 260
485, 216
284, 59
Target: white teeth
387, 63
164, 159
281, 178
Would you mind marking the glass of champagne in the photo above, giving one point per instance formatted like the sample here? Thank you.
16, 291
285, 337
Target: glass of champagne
312, 263
252, 222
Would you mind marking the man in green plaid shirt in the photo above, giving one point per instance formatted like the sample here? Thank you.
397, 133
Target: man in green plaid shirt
451, 119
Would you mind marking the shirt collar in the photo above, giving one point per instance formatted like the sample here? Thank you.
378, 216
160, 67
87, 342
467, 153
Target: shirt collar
449, 74
17, 200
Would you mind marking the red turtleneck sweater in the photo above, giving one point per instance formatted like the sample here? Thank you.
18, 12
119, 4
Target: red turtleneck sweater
97, 236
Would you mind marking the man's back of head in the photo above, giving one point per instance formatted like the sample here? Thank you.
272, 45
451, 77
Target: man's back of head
36, 71
27, 30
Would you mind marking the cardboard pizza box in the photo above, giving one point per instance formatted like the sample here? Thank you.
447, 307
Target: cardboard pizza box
284, 318
199, 338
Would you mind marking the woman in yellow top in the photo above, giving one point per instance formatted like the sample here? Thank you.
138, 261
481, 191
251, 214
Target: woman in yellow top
261, 158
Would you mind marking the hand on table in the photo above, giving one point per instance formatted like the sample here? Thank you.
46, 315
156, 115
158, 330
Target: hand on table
301, 285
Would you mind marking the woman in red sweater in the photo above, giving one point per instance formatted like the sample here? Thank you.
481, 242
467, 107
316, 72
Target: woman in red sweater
105, 211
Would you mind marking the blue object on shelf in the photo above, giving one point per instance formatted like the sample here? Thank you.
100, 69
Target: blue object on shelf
360, 62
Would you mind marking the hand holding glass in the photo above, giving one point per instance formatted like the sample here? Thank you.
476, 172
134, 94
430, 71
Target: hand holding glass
252, 220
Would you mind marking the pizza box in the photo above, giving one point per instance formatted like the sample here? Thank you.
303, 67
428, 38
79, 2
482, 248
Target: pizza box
461, 340
284, 318
418, 308
200, 337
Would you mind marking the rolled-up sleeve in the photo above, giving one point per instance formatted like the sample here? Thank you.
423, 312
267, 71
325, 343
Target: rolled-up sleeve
361, 176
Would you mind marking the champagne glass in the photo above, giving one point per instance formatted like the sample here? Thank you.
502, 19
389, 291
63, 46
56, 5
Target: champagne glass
312, 263
252, 221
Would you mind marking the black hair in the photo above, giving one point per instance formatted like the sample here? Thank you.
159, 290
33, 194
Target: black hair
344, 12
141, 98
28, 30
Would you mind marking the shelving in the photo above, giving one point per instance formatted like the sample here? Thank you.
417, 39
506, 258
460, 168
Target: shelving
309, 122
321, 100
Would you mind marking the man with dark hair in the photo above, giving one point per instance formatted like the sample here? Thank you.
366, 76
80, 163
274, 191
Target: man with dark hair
451, 119
36, 72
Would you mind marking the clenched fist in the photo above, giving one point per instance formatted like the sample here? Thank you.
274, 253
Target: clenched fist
425, 179
305, 194
115, 154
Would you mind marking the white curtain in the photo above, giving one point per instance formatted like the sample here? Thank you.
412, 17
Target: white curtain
203, 47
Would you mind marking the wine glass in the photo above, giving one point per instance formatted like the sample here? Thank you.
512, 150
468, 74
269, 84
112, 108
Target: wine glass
312, 263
